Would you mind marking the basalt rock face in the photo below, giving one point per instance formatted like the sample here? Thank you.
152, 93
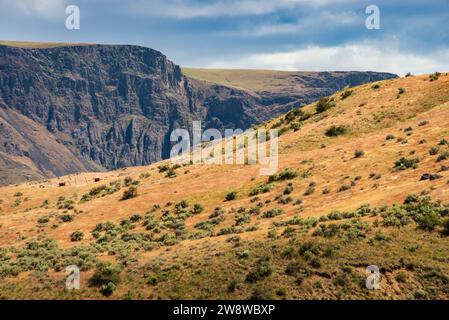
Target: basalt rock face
98, 107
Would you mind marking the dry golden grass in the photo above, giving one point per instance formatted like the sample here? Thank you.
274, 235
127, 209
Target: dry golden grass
250, 80
31, 44
370, 114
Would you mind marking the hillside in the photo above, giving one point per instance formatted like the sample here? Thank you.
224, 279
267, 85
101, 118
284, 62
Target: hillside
342, 205
280, 87
69, 108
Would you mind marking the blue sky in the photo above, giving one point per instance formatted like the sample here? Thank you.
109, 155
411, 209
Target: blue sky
256, 34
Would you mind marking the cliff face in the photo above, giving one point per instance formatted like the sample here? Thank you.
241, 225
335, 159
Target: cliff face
99, 107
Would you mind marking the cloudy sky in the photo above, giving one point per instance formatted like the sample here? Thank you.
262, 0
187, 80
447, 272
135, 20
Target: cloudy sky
256, 34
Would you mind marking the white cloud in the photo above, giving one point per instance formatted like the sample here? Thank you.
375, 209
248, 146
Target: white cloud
45, 9
323, 20
349, 57
188, 9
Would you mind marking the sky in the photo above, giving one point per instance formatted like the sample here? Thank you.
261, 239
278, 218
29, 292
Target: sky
305, 35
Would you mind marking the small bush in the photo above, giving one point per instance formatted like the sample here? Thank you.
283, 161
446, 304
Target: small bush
434, 150
260, 188
423, 123
446, 227
401, 277
129, 193
406, 163
344, 187
335, 131
198, 208
66, 218
326, 191
286, 174
359, 153
310, 190
346, 94
106, 277
261, 293
43, 220
231, 196
428, 221
76, 236
434, 76
443, 156
273, 213
324, 104
262, 270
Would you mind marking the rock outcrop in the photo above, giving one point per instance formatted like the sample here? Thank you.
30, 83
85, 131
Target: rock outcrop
99, 107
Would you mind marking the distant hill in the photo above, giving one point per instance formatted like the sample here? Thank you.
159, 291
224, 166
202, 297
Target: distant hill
282, 87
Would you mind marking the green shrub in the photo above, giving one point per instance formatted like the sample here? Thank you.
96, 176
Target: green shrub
434, 76
129, 193
335, 131
198, 208
286, 174
294, 114
429, 221
106, 277
261, 294
231, 196
324, 104
359, 153
260, 188
344, 187
310, 190
43, 220
66, 218
434, 150
423, 123
152, 280
401, 277
346, 94
262, 270
76, 236
288, 190
295, 126
443, 156
406, 163
284, 199
273, 213
446, 227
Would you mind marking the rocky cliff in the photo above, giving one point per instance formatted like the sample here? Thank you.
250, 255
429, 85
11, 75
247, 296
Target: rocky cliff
98, 107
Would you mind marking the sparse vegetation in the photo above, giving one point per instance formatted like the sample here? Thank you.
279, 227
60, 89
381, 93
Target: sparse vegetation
359, 153
335, 131
406, 163
231, 196
76, 236
129, 193
286, 174
325, 104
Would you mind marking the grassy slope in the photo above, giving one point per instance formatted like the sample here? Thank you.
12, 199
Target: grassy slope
30, 44
209, 267
250, 80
